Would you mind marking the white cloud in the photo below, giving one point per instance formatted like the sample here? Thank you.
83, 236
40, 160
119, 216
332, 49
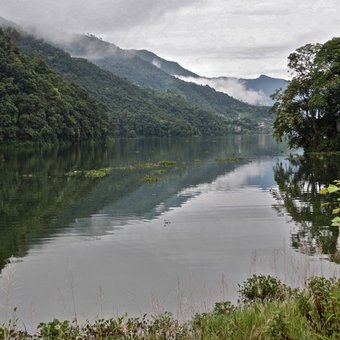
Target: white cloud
211, 37
233, 87
156, 63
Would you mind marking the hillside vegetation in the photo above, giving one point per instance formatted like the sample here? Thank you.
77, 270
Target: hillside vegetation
36, 104
134, 110
137, 68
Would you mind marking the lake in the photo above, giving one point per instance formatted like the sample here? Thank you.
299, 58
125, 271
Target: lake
152, 237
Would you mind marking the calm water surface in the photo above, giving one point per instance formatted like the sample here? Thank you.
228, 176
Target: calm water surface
84, 247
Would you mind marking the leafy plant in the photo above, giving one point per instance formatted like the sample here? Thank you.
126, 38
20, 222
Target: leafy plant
320, 305
334, 189
224, 307
263, 288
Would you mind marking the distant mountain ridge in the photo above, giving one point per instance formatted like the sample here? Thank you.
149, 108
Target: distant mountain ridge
264, 85
142, 72
256, 91
170, 107
133, 111
170, 67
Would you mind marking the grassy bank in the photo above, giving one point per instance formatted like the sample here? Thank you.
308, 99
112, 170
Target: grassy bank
267, 309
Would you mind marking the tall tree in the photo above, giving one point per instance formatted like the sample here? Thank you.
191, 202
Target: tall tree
308, 111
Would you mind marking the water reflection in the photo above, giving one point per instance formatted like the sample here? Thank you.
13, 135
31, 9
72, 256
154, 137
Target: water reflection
37, 202
136, 243
299, 181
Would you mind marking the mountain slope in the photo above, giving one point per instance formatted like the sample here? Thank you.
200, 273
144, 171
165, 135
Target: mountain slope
126, 64
239, 88
135, 111
36, 104
266, 84
169, 67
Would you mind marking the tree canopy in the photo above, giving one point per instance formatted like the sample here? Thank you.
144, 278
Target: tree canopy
308, 111
135, 111
36, 104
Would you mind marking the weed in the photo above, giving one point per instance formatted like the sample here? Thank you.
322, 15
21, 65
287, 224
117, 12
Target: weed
270, 310
263, 288
150, 179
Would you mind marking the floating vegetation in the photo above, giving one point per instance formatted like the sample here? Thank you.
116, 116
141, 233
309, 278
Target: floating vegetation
125, 168
197, 161
167, 163
160, 164
100, 173
159, 172
231, 159
148, 165
150, 179
74, 173
103, 172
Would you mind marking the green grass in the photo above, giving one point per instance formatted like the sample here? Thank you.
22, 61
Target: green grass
268, 310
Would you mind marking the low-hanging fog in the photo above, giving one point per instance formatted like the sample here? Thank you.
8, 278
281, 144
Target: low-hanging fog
233, 87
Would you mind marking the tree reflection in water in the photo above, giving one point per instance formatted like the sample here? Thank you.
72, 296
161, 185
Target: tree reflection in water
299, 180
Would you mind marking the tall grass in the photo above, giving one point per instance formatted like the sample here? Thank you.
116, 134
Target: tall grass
267, 309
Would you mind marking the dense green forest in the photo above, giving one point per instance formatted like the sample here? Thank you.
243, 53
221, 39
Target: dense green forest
135, 111
46, 105
308, 111
135, 67
36, 104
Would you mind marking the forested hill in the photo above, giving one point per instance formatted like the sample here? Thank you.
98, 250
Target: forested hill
169, 67
37, 104
135, 111
131, 65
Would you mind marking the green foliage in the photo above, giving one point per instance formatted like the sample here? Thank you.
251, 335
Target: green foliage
137, 67
298, 195
167, 164
135, 111
150, 179
311, 313
38, 105
331, 189
59, 330
263, 288
320, 305
100, 173
224, 307
308, 111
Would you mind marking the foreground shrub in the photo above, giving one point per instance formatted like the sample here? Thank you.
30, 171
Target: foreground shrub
320, 305
268, 310
263, 288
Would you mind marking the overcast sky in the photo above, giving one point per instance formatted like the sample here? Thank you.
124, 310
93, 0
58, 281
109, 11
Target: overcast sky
242, 38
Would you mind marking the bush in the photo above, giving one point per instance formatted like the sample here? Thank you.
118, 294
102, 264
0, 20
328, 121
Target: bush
263, 288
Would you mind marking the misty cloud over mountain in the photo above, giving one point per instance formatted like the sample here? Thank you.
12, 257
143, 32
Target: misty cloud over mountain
210, 37
88, 15
233, 87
